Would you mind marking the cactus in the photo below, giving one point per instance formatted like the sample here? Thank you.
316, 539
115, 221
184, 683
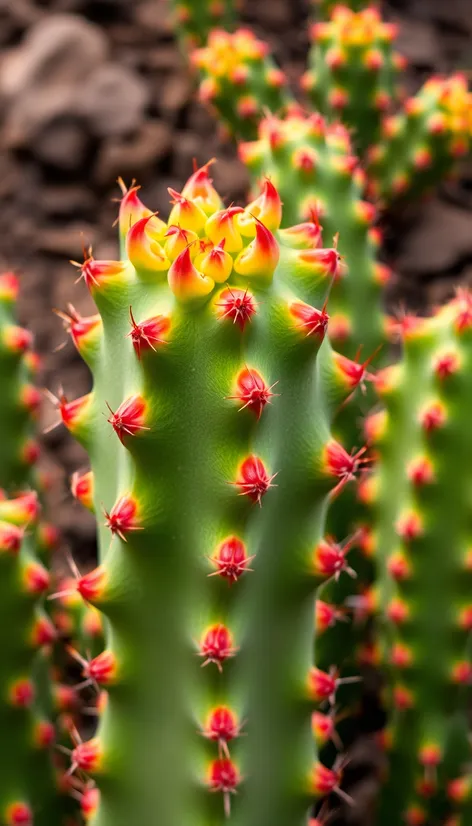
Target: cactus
194, 19
354, 70
419, 495
214, 463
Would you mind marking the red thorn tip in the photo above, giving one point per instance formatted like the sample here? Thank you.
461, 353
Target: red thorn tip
462, 673
223, 776
102, 669
11, 538
221, 726
66, 697
398, 611
78, 326
9, 286
92, 585
415, 816
420, 471
231, 559
323, 727
128, 419
401, 655
44, 734
252, 391
329, 558
324, 781
398, 566
89, 802
82, 488
446, 365
22, 693
322, 684
314, 322
18, 814
44, 632
353, 373
148, 334
17, 339
341, 464
433, 417
403, 699
430, 755
326, 615
460, 789
217, 646
237, 305
86, 756
409, 526
36, 578
95, 273
463, 308
123, 517
253, 479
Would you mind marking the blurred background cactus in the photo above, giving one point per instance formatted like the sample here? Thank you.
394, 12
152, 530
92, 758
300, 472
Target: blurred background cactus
350, 128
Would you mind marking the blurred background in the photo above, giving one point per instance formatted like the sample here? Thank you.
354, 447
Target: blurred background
94, 89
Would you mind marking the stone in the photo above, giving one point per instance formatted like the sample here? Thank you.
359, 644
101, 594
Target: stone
443, 237
130, 158
63, 143
113, 99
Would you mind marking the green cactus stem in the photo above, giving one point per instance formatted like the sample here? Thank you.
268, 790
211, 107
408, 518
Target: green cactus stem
208, 430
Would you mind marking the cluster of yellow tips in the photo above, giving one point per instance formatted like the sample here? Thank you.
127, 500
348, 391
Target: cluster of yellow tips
454, 105
355, 29
203, 243
225, 52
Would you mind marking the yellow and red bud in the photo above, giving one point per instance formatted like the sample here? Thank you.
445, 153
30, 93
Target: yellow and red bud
92, 624
91, 586
414, 815
322, 685
403, 698
73, 413
323, 727
329, 558
9, 287
11, 537
129, 419
35, 578
446, 364
131, 208
199, 189
143, 245
247, 107
89, 802
375, 426
409, 526
324, 262
398, 566
398, 611
102, 669
260, 258
401, 655
433, 416
267, 207
44, 734
16, 339
30, 398
221, 726
461, 672
43, 632
222, 226
340, 328
87, 756
30, 452
302, 236
420, 471
82, 488
22, 510
178, 240
18, 814
459, 790
324, 781
215, 264
326, 615
338, 463
185, 281
186, 213
216, 646
21, 693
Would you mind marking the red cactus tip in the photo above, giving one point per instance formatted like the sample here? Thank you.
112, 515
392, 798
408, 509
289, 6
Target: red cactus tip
253, 479
216, 646
221, 726
238, 305
231, 559
224, 777
123, 517
128, 419
252, 390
